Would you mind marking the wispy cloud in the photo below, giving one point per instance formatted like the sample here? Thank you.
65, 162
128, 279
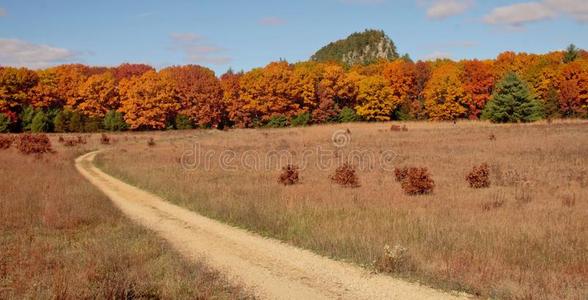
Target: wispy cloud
19, 53
272, 21
3, 12
198, 49
442, 9
516, 15
437, 55
519, 14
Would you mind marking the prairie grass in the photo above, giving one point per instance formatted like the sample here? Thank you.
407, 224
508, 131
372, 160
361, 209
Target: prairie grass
62, 239
523, 237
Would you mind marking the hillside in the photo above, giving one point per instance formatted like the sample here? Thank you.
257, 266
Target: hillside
358, 48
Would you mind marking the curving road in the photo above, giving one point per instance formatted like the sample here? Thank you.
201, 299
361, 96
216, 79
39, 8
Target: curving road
271, 269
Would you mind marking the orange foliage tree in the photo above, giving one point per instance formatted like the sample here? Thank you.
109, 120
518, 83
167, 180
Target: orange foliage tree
335, 91
15, 87
444, 93
230, 84
126, 71
98, 94
147, 102
401, 78
199, 92
266, 93
573, 88
68, 80
478, 82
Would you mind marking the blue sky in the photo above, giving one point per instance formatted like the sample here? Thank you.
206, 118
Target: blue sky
251, 33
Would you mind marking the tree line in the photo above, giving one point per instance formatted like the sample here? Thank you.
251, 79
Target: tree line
514, 87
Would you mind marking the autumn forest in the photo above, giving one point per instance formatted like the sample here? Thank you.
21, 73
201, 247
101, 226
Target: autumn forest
76, 98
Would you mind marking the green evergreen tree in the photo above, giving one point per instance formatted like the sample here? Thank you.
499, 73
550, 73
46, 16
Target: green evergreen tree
182, 122
571, 54
551, 105
348, 115
40, 122
60, 122
76, 123
4, 123
277, 122
512, 102
301, 120
27, 115
114, 121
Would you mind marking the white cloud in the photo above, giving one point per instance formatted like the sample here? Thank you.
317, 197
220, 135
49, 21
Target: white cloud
442, 9
19, 53
517, 15
272, 21
198, 50
578, 9
437, 55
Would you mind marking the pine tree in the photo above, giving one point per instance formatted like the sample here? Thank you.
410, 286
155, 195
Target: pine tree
512, 102
60, 122
570, 54
4, 123
40, 122
113, 121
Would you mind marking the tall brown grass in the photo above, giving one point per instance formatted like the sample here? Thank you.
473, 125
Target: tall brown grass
521, 238
62, 239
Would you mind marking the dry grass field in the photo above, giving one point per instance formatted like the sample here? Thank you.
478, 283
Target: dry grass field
60, 238
524, 237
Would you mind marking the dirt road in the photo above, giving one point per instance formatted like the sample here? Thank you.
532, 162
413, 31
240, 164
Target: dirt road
273, 270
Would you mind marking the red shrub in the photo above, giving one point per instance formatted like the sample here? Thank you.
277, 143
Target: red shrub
289, 175
345, 176
398, 128
5, 141
81, 140
34, 144
400, 173
61, 139
418, 181
104, 139
479, 177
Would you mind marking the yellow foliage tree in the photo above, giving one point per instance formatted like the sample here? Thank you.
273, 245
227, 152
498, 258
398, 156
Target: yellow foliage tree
444, 93
375, 99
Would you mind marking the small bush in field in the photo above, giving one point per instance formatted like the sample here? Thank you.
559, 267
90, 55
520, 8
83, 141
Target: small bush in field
104, 139
492, 137
418, 181
394, 260
345, 176
34, 144
289, 175
151, 142
398, 128
400, 174
479, 177
72, 142
5, 141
